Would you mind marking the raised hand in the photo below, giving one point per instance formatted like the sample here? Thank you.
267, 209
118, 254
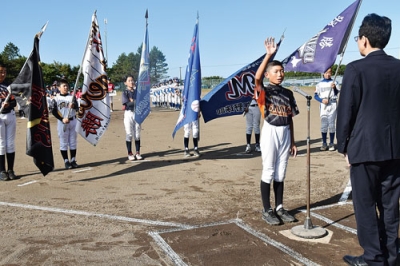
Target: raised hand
270, 45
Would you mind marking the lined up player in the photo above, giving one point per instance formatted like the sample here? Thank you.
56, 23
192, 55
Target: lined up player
8, 127
253, 117
132, 128
326, 93
64, 107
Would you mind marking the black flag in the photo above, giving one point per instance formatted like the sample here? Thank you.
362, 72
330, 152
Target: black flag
29, 88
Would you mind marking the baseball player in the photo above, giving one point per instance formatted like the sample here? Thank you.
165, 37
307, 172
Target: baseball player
8, 126
194, 128
326, 92
64, 107
277, 138
253, 116
110, 89
132, 128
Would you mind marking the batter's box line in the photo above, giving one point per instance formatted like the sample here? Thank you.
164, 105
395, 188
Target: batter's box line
269, 241
90, 214
329, 221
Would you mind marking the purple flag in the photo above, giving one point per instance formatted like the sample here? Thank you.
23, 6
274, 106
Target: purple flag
320, 52
192, 85
232, 95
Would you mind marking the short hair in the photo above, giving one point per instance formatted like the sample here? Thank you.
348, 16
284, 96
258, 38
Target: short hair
2, 64
274, 63
62, 81
128, 76
377, 29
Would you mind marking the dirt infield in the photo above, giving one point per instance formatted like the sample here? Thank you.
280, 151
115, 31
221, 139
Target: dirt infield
170, 210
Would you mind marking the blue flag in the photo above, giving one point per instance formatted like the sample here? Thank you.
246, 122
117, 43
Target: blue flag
232, 95
142, 108
192, 85
320, 52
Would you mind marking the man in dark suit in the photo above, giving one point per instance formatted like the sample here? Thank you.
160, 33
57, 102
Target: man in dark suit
368, 134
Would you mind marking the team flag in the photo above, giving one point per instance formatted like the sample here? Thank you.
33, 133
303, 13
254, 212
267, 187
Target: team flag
320, 52
234, 94
192, 85
93, 116
28, 87
142, 108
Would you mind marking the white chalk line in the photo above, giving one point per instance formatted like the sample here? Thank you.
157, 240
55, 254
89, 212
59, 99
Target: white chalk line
346, 192
178, 261
84, 213
276, 244
180, 227
27, 183
167, 249
329, 221
333, 223
82, 170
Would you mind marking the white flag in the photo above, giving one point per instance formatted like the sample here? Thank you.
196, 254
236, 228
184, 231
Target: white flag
94, 111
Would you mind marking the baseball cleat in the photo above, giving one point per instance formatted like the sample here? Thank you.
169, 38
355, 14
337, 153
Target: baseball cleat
270, 217
248, 148
138, 156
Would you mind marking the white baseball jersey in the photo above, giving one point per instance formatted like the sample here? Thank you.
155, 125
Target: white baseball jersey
60, 109
8, 123
324, 90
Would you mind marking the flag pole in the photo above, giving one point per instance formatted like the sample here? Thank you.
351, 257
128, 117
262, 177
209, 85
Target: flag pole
38, 35
199, 114
79, 71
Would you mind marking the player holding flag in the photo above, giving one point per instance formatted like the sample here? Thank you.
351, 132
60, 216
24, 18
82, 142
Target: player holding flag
190, 112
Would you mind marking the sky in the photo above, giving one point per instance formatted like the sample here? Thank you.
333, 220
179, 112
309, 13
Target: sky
231, 33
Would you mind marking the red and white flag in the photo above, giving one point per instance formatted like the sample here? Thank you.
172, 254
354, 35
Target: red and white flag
93, 116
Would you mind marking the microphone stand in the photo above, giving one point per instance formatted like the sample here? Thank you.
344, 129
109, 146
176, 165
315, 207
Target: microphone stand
308, 230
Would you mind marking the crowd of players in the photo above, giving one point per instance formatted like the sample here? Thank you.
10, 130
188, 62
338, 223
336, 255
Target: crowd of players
167, 94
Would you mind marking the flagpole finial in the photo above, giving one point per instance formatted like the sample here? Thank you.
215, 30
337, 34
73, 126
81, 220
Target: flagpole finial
39, 34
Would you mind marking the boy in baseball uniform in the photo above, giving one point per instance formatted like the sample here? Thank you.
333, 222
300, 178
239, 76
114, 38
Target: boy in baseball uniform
64, 107
326, 93
277, 136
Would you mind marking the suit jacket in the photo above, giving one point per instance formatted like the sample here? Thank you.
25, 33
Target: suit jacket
368, 121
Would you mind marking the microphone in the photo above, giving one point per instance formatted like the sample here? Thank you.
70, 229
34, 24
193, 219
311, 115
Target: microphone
298, 90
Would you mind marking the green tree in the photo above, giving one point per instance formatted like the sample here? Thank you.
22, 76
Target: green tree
158, 66
11, 57
10, 52
125, 65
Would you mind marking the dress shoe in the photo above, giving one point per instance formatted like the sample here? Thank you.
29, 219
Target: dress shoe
356, 261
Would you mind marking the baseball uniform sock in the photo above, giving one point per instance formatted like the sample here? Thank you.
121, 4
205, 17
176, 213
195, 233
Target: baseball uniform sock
332, 137
265, 195
186, 143
10, 160
137, 146
195, 142
64, 155
2, 163
324, 136
257, 138
73, 154
278, 190
129, 147
248, 138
